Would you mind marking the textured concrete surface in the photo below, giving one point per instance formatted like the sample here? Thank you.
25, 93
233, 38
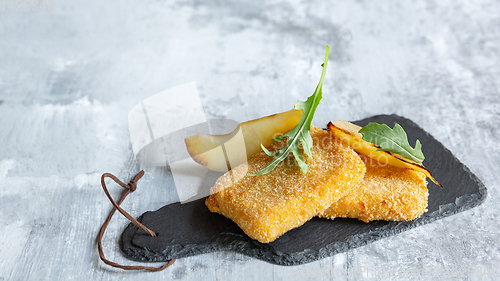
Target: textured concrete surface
68, 78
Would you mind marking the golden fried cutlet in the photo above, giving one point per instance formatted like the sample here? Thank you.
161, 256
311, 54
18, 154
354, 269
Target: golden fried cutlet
386, 193
269, 205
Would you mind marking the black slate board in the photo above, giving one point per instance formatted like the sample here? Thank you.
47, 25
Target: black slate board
190, 229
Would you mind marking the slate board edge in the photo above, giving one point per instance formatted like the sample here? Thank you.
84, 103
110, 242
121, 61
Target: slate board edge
461, 204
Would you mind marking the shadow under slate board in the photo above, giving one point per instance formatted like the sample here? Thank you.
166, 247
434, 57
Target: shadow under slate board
190, 229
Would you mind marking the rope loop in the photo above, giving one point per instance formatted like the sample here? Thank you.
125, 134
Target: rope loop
131, 187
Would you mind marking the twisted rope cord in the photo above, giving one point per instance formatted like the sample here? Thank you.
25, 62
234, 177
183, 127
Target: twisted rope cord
131, 187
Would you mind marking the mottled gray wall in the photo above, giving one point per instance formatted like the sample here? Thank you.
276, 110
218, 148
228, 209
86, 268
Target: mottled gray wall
68, 78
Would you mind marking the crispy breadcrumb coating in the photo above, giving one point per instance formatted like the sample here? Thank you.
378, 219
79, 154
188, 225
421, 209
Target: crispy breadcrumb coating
386, 193
269, 205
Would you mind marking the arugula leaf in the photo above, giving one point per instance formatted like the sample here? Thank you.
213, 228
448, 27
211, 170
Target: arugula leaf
392, 140
301, 132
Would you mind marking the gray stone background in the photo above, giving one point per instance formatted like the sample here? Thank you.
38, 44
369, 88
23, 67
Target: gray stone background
68, 78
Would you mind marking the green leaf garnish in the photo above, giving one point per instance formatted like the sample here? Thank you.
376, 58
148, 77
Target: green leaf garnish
392, 140
301, 132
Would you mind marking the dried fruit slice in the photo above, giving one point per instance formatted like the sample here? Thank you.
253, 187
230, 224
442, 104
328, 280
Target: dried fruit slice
207, 150
349, 134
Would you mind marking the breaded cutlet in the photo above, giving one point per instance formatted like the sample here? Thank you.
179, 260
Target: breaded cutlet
386, 193
266, 206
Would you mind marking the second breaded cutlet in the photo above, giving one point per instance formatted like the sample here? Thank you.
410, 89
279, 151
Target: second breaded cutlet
386, 193
269, 205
